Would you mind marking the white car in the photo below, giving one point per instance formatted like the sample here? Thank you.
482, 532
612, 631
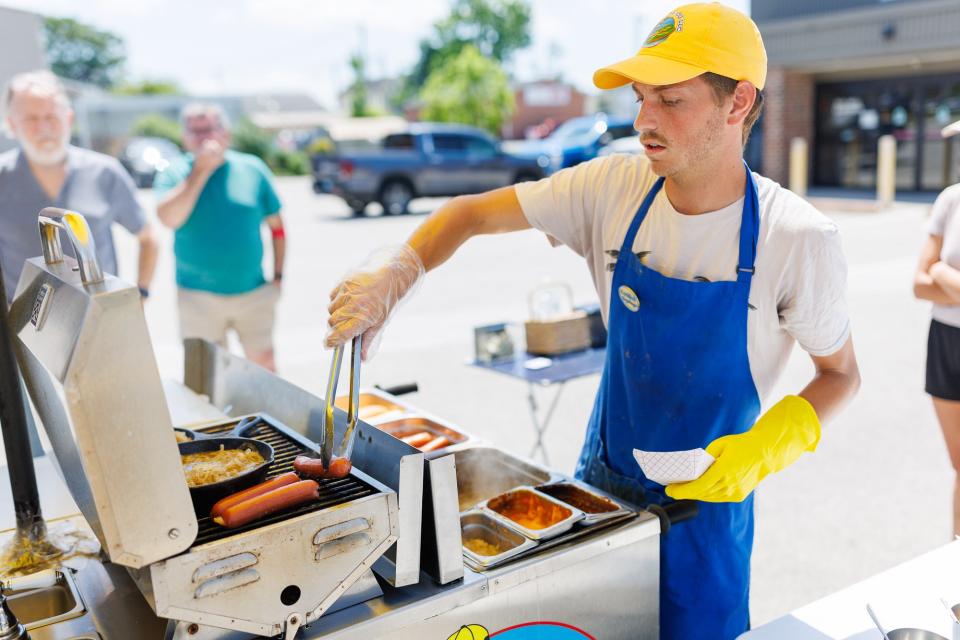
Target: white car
623, 145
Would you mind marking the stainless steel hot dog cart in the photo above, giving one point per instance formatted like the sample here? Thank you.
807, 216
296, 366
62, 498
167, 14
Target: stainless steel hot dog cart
380, 555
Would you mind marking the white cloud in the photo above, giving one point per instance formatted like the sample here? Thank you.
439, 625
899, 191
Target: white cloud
138, 9
413, 17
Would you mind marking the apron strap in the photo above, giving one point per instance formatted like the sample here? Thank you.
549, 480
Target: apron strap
749, 225
749, 230
627, 246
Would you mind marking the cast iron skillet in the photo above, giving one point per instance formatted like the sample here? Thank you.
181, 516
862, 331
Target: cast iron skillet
205, 496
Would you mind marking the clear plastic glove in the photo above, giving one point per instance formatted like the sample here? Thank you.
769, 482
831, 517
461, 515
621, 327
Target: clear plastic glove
366, 298
778, 438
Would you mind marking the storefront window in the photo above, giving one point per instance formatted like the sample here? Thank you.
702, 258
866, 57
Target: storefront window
852, 116
941, 164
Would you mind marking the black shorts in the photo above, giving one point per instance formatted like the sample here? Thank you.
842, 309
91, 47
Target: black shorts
943, 361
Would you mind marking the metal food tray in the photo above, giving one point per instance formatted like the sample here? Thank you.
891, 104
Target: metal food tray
589, 518
390, 409
580, 530
553, 530
475, 519
409, 424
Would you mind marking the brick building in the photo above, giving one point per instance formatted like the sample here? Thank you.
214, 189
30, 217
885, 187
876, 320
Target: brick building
536, 101
844, 72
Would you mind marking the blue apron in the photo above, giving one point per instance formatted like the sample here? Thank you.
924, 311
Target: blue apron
677, 377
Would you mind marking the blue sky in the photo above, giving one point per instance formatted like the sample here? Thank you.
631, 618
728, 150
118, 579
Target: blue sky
241, 46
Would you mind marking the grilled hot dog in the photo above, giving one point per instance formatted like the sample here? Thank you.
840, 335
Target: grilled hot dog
254, 491
254, 508
308, 466
339, 468
313, 467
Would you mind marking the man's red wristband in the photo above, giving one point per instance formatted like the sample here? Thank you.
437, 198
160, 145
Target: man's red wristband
278, 233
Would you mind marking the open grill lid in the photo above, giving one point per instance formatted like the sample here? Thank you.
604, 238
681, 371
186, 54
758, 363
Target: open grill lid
87, 360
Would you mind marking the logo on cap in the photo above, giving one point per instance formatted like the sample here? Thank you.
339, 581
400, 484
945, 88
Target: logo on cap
629, 298
673, 22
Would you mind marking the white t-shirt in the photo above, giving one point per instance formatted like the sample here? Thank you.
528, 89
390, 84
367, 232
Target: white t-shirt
945, 223
798, 291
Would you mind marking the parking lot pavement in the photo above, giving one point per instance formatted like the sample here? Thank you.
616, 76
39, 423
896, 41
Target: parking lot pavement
877, 491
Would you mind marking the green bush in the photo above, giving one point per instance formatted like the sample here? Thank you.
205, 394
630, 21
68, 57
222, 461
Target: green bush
154, 125
289, 163
249, 138
148, 88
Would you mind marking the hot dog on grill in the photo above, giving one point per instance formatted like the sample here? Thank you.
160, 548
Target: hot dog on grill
285, 497
256, 490
339, 468
308, 466
313, 467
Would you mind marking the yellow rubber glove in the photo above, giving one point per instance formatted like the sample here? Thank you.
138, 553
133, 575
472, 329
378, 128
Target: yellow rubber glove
775, 442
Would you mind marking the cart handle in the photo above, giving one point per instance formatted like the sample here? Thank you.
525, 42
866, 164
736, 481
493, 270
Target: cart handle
50, 221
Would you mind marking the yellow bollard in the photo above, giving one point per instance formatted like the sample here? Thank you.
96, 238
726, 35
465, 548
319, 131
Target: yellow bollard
886, 170
798, 166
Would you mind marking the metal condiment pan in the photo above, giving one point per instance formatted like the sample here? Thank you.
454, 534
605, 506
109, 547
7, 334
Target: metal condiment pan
477, 521
386, 409
588, 518
411, 423
535, 534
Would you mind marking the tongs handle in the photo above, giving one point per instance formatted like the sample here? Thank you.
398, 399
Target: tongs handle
327, 433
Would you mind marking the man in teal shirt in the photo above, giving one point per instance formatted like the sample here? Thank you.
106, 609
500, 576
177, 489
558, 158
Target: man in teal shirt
216, 201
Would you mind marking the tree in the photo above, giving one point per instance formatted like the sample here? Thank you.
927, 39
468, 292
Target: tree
84, 53
148, 88
497, 28
154, 125
358, 90
472, 89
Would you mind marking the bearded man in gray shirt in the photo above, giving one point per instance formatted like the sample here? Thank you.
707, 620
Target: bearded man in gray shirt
46, 171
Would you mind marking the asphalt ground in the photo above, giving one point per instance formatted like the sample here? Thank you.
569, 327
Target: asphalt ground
875, 493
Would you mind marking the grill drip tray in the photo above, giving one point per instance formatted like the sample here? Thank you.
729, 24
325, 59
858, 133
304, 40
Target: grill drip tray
287, 445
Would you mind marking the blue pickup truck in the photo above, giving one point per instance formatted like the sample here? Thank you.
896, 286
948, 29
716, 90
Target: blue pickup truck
426, 160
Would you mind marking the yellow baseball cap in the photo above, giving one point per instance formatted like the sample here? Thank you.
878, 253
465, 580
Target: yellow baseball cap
692, 40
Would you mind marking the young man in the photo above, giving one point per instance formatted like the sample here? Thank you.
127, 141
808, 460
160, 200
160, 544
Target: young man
45, 171
216, 200
707, 274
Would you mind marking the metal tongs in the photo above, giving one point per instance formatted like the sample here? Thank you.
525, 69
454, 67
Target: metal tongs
327, 431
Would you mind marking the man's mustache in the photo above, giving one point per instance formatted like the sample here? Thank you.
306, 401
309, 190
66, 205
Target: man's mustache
653, 139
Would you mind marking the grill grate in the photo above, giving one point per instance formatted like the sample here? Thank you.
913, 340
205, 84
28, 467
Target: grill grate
285, 448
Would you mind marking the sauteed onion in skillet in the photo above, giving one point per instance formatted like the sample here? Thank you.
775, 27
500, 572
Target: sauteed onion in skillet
208, 467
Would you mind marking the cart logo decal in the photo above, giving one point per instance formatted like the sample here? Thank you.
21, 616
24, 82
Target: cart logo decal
629, 298
670, 24
471, 632
525, 631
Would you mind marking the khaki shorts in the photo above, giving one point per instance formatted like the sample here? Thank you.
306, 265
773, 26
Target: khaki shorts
210, 315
